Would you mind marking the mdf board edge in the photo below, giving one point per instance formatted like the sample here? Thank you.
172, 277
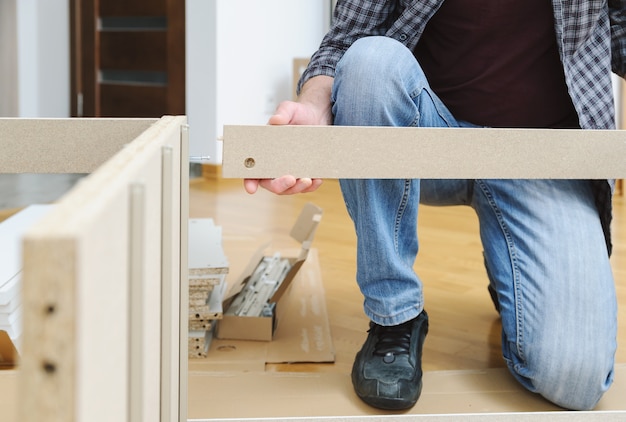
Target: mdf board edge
183, 317
174, 286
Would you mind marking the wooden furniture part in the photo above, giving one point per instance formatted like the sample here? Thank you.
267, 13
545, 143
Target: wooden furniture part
383, 152
105, 272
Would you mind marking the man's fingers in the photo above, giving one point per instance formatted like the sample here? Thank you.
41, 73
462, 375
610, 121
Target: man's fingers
285, 185
251, 185
280, 185
315, 183
303, 185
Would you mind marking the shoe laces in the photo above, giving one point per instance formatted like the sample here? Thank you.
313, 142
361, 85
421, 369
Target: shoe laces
392, 341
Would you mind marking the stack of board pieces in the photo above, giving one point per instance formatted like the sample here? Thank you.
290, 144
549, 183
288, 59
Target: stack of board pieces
208, 268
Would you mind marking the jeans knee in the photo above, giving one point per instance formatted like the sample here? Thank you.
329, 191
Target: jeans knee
376, 83
371, 63
374, 54
574, 384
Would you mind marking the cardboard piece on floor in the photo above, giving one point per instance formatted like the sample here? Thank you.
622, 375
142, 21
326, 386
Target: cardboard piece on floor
302, 336
490, 393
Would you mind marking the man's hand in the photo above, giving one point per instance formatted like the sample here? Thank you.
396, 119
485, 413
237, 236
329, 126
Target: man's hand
285, 185
312, 108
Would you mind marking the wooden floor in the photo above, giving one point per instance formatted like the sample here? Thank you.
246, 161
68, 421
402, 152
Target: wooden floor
464, 327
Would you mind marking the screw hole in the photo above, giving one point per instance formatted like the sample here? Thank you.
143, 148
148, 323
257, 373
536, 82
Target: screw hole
249, 162
50, 309
49, 367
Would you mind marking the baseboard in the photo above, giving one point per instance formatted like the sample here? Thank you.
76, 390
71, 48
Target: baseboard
211, 171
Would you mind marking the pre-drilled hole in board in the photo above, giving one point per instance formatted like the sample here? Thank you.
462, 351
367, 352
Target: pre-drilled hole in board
49, 367
249, 162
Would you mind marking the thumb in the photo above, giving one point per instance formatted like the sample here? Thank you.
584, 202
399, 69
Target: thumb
284, 114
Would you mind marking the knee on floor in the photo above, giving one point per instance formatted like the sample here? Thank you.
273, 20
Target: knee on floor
574, 384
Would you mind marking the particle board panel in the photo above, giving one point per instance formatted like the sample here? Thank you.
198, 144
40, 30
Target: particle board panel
8, 394
469, 395
94, 282
441, 153
64, 145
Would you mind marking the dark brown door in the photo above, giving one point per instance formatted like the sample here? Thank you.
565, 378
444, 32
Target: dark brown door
128, 58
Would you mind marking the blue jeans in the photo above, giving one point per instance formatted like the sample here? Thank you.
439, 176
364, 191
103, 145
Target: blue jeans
544, 248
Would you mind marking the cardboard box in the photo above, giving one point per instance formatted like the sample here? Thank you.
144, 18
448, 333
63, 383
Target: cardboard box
262, 328
303, 335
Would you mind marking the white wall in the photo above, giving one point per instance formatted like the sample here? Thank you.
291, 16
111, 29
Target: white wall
620, 102
201, 77
53, 46
34, 50
254, 44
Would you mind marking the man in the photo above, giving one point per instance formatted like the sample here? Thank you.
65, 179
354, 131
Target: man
479, 63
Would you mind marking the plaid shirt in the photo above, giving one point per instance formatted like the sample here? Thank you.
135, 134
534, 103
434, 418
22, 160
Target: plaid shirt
591, 35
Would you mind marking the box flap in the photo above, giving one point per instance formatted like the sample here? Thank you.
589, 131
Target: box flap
305, 226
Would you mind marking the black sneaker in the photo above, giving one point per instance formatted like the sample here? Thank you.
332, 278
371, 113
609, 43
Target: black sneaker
387, 371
